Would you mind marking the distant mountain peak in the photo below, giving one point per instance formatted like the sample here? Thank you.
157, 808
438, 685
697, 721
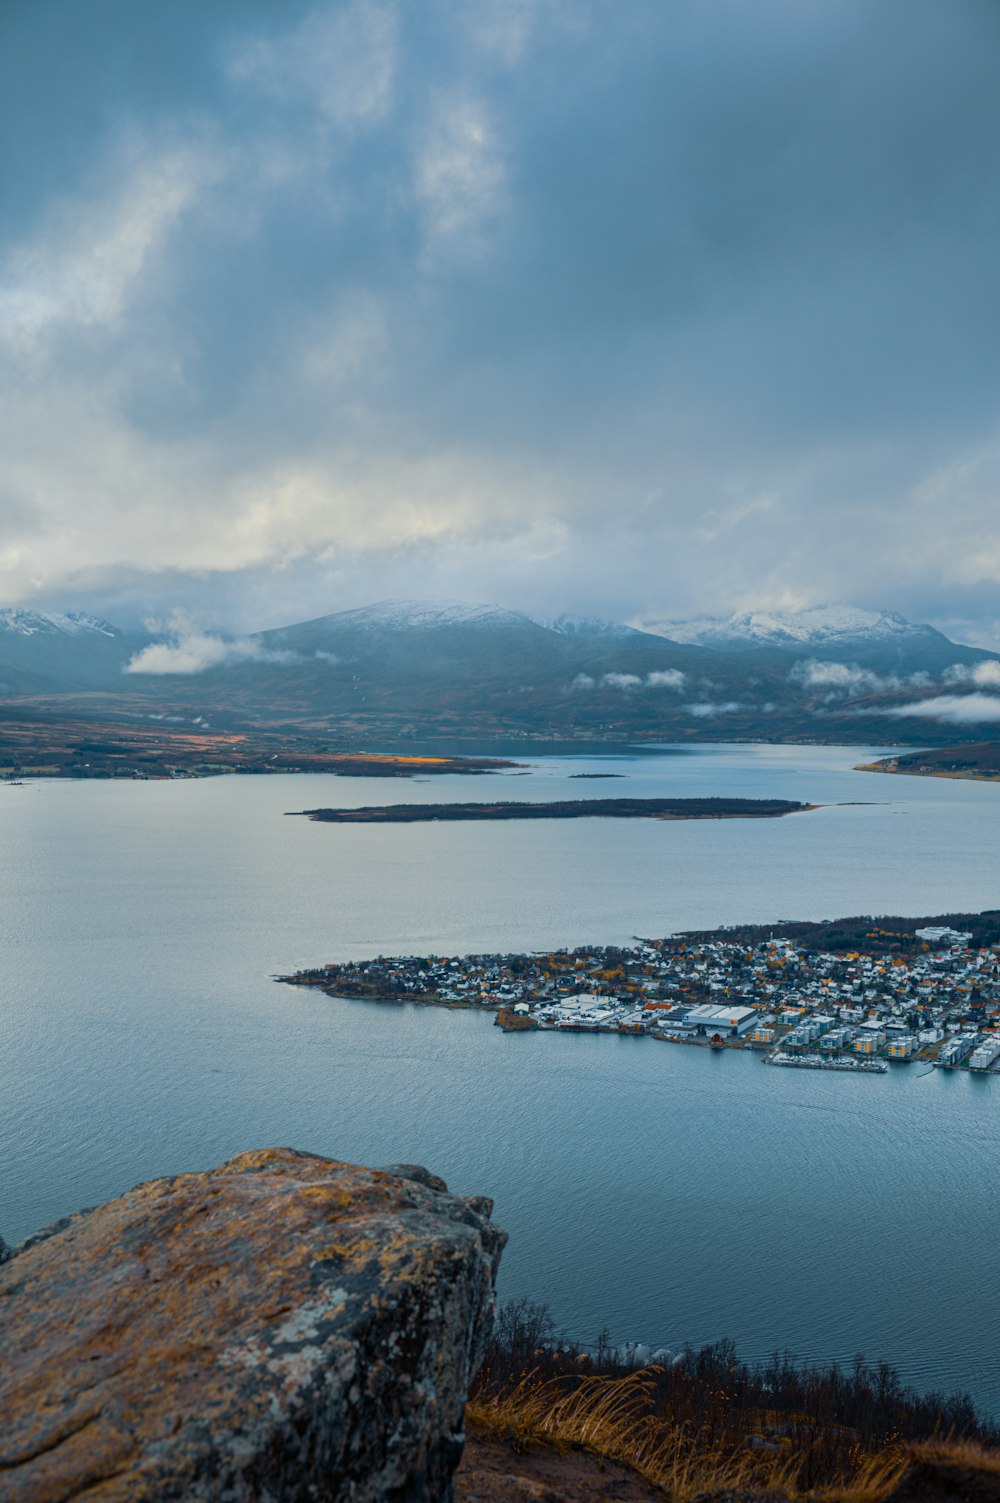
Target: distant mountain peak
432, 615
420, 615
816, 626
71, 623
586, 626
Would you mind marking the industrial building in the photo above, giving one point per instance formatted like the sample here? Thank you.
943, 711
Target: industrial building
710, 1019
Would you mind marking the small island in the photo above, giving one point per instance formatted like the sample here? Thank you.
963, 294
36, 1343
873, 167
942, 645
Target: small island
602, 808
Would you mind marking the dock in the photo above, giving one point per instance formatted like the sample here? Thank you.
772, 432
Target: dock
818, 1062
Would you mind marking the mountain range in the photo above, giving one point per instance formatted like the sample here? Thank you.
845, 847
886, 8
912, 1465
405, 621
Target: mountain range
411, 668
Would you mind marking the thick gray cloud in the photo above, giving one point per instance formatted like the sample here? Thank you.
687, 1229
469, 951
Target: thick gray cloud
633, 307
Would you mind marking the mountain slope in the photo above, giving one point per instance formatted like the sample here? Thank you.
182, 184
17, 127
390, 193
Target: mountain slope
46, 653
457, 668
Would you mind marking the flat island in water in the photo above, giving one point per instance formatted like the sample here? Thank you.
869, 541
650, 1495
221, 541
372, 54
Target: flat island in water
596, 808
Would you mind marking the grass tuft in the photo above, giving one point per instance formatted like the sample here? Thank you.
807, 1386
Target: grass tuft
618, 1418
612, 1417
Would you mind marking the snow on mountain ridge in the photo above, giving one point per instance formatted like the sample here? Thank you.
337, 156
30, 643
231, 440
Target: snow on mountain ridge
400, 615
585, 626
430, 613
422, 614
820, 625
70, 624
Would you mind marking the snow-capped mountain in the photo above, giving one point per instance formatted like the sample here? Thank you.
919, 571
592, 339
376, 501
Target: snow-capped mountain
50, 651
818, 626
435, 615
456, 643
587, 627
421, 615
35, 623
883, 641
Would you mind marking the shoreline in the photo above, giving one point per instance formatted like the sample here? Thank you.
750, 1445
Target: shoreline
514, 1023
928, 772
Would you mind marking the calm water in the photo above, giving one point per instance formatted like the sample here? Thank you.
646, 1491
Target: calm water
667, 1193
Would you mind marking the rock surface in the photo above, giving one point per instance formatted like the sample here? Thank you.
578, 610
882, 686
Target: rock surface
283, 1327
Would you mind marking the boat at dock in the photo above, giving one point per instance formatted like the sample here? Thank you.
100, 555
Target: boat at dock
822, 1062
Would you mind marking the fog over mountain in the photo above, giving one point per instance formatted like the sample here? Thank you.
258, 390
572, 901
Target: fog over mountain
645, 311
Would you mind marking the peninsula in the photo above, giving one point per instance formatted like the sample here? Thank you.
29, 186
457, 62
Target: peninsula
597, 808
979, 761
852, 995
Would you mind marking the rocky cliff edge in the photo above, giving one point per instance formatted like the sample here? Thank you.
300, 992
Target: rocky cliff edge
284, 1327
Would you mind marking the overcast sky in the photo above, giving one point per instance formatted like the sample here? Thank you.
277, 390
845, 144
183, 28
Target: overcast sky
639, 308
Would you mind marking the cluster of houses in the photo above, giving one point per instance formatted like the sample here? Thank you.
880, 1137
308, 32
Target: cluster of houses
939, 1002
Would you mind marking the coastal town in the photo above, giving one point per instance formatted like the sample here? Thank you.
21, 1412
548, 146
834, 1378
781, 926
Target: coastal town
935, 999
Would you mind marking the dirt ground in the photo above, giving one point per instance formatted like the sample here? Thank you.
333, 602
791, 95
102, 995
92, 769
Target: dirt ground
494, 1473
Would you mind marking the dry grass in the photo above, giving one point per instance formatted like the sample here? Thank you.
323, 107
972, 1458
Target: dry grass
610, 1416
959, 1453
614, 1418
708, 1423
876, 1475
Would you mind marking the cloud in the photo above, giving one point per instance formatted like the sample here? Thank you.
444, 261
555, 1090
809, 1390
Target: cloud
88, 263
195, 652
459, 176
985, 675
952, 709
342, 58
850, 681
705, 709
844, 678
327, 293
504, 28
666, 678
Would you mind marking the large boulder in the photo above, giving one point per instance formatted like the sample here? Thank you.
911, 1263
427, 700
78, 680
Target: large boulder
283, 1327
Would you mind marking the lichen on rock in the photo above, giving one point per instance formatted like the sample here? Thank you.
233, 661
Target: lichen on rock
283, 1327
